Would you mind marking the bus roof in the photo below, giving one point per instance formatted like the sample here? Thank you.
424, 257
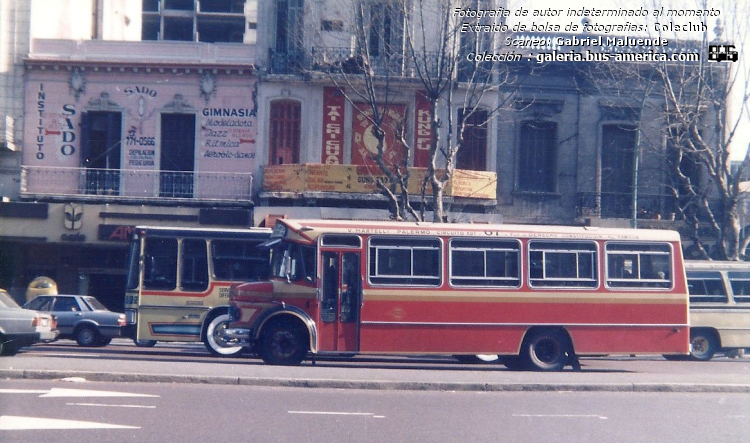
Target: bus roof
311, 229
168, 231
716, 265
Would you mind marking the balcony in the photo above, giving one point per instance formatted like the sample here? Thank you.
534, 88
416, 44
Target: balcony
136, 186
345, 60
620, 205
143, 52
360, 182
349, 60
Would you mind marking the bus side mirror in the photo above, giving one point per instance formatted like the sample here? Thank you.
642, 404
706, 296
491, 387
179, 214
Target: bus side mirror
288, 263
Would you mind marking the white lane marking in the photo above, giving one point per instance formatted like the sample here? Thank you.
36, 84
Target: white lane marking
601, 417
14, 423
74, 379
366, 414
59, 392
72, 354
111, 406
23, 391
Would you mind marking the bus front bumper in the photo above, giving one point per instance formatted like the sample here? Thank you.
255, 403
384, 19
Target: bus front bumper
242, 336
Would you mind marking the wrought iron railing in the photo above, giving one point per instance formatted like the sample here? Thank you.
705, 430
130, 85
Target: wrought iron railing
346, 60
620, 205
135, 185
350, 60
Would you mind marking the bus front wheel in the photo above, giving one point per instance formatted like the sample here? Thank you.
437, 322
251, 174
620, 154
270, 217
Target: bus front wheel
214, 340
546, 350
283, 343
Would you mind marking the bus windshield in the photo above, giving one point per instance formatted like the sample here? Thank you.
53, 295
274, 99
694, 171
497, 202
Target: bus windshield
294, 262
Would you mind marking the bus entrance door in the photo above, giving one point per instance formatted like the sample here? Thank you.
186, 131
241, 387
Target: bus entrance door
341, 297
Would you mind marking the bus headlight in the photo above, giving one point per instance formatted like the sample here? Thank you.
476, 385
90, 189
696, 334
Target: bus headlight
131, 316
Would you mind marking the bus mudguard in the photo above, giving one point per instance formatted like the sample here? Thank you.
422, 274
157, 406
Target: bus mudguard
287, 310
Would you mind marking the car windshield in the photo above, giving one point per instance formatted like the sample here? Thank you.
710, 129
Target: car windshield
6, 301
94, 304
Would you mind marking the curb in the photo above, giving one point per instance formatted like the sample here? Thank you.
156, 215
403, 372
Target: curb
375, 385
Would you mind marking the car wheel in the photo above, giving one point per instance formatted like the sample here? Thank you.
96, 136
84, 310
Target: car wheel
283, 343
214, 341
87, 336
547, 350
7, 347
703, 345
145, 343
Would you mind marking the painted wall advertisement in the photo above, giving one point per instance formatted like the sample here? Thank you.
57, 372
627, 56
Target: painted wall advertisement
364, 142
422, 129
333, 126
358, 179
221, 111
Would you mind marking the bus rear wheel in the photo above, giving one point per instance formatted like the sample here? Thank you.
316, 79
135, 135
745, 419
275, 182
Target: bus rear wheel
702, 345
283, 343
546, 350
214, 341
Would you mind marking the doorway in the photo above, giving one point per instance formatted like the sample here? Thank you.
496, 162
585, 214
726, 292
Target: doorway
177, 155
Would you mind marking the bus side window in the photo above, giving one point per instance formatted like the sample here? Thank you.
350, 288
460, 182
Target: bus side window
740, 282
160, 264
239, 260
706, 287
638, 265
194, 266
302, 264
562, 264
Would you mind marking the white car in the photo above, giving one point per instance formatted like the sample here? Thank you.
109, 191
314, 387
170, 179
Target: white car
21, 327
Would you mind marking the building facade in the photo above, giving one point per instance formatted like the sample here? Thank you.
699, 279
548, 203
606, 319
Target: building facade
219, 113
101, 106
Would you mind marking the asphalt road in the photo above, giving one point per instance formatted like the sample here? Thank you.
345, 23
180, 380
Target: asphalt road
122, 361
55, 411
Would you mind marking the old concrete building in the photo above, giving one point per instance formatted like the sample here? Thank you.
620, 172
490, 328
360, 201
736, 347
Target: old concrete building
96, 108
218, 113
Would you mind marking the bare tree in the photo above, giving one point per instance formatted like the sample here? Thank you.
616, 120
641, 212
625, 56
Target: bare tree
702, 129
407, 47
702, 106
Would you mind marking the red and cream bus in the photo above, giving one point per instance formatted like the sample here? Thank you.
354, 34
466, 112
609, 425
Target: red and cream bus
538, 296
178, 282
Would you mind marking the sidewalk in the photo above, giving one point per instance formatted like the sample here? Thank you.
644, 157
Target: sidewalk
615, 375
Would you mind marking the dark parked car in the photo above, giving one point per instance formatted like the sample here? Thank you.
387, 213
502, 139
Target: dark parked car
81, 318
21, 327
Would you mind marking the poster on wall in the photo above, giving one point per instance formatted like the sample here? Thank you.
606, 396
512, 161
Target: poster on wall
364, 142
333, 126
422, 129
